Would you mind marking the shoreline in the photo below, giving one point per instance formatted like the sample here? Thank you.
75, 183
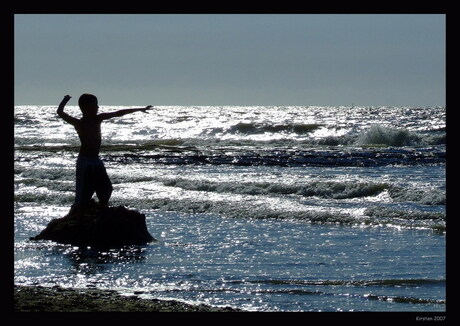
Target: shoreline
58, 299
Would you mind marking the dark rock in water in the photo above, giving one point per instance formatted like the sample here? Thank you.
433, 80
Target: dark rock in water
96, 227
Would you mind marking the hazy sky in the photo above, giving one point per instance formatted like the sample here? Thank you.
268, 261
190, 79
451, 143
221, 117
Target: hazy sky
213, 59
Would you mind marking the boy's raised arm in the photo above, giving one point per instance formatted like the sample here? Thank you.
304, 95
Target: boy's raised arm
119, 113
62, 114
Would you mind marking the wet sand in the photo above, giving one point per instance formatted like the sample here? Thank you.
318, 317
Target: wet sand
57, 299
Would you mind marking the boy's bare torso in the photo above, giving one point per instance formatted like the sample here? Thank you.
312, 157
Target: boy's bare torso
89, 132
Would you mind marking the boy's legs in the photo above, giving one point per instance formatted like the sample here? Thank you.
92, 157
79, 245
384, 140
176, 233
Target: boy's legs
91, 176
103, 185
84, 185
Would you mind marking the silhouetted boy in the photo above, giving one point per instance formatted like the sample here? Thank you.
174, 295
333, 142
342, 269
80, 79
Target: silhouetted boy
91, 174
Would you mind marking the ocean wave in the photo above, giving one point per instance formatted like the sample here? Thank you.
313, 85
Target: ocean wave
368, 296
63, 179
375, 147
378, 215
284, 157
249, 210
410, 215
118, 146
47, 197
44, 175
381, 135
321, 189
264, 209
401, 299
373, 282
260, 128
430, 197
323, 288
253, 208
375, 135
335, 190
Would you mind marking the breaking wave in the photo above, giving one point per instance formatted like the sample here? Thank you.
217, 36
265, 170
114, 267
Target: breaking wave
336, 190
380, 135
321, 189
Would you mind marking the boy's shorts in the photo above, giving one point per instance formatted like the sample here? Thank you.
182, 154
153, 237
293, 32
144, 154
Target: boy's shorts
91, 177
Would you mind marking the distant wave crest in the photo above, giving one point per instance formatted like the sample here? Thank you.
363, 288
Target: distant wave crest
259, 128
381, 135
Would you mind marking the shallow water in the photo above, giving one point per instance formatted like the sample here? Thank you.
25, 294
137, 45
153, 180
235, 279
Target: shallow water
261, 208
253, 264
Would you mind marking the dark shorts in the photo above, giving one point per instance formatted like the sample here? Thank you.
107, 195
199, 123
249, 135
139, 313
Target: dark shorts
91, 177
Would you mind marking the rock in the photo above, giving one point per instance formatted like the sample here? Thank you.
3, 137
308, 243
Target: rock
96, 227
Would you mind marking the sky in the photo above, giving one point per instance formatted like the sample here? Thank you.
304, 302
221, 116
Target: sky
231, 59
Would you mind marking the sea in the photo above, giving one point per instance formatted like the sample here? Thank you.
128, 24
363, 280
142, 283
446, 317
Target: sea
261, 208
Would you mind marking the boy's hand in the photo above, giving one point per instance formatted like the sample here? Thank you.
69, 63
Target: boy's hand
148, 107
63, 103
66, 98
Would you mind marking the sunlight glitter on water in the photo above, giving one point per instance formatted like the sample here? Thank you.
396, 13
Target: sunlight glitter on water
263, 208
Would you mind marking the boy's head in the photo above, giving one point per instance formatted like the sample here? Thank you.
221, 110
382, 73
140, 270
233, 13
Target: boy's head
88, 104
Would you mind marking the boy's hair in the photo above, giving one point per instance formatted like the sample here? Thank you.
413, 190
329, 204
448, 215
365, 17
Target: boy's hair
86, 99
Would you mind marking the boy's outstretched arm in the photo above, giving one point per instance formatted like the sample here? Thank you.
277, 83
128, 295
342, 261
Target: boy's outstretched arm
62, 114
119, 113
